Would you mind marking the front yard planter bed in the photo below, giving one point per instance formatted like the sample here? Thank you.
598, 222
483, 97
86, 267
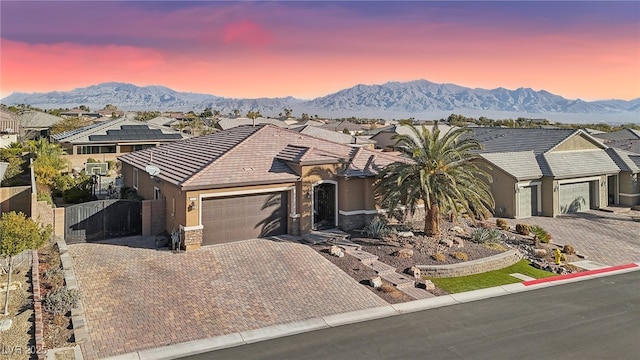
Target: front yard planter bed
58, 330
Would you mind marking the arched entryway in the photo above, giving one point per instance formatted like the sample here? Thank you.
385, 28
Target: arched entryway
325, 205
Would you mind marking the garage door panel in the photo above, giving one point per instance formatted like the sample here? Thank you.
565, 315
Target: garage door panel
243, 217
575, 197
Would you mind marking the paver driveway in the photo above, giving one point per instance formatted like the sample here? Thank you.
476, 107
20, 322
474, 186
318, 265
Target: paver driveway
141, 298
603, 237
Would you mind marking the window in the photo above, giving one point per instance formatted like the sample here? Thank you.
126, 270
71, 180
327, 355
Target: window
135, 179
156, 193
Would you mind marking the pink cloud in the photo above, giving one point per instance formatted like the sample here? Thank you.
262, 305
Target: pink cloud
246, 32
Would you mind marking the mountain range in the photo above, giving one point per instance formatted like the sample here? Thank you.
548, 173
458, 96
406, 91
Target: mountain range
420, 99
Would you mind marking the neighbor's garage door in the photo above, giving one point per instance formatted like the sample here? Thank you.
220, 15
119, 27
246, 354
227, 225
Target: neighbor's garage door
575, 197
243, 217
528, 201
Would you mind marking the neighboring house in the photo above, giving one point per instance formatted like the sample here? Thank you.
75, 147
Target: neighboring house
351, 140
341, 126
626, 190
547, 171
163, 121
81, 113
9, 128
627, 139
225, 124
36, 124
625, 150
256, 181
106, 140
384, 137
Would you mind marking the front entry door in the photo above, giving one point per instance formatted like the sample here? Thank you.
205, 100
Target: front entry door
324, 206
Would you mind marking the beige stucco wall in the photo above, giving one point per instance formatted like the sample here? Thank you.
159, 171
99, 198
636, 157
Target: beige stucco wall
578, 142
629, 188
16, 198
503, 188
78, 161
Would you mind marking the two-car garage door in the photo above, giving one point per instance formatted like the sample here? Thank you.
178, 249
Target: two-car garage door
575, 197
233, 218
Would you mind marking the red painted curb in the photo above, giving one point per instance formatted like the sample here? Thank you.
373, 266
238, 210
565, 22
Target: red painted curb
579, 274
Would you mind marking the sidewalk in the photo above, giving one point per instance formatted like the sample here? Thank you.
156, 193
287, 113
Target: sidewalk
272, 332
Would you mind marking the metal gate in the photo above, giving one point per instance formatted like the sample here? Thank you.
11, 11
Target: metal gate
102, 219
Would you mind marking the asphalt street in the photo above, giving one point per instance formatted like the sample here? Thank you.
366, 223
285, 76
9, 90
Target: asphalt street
592, 319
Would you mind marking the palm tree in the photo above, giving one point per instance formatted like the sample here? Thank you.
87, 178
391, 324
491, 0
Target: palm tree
439, 172
253, 115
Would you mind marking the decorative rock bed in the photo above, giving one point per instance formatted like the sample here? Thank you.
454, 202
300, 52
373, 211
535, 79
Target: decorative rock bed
495, 262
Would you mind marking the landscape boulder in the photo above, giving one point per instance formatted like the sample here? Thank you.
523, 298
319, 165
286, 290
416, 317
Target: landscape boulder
404, 253
375, 282
540, 253
335, 250
447, 242
414, 271
405, 234
458, 242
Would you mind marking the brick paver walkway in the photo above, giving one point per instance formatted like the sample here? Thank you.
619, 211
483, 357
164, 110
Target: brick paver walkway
603, 237
141, 298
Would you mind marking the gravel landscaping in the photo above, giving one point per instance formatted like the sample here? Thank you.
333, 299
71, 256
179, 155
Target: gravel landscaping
455, 238
17, 342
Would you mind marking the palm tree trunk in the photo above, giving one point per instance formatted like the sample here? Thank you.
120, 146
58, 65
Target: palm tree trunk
432, 221
6, 301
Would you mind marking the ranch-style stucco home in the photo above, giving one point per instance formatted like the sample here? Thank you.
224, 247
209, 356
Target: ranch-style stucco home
551, 172
256, 181
106, 140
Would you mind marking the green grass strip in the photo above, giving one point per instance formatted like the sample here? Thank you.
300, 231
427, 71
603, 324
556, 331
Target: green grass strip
490, 279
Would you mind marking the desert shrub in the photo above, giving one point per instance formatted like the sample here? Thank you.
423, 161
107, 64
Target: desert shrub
495, 246
568, 249
55, 277
387, 288
483, 235
52, 273
377, 229
540, 234
502, 224
45, 197
61, 301
523, 229
439, 257
92, 161
459, 255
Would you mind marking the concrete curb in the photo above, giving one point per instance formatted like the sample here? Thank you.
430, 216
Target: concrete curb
282, 330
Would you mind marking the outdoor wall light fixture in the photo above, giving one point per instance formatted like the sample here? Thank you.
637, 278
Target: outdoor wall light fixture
192, 204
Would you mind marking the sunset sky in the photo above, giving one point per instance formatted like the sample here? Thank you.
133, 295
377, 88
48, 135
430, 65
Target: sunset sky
307, 49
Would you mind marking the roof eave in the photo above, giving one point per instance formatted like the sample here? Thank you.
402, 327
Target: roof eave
246, 183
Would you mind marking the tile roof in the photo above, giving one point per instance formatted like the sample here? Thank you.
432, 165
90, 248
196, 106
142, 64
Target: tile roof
116, 130
569, 164
9, 121
513, 140
162, 121
626, 161
522, 164
225, 124
248, 154
624, 134
37, 119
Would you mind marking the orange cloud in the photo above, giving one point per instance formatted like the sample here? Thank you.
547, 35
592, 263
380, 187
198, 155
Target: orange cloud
246, 32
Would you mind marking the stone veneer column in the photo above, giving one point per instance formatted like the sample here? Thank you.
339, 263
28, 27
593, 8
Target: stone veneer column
191, 237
